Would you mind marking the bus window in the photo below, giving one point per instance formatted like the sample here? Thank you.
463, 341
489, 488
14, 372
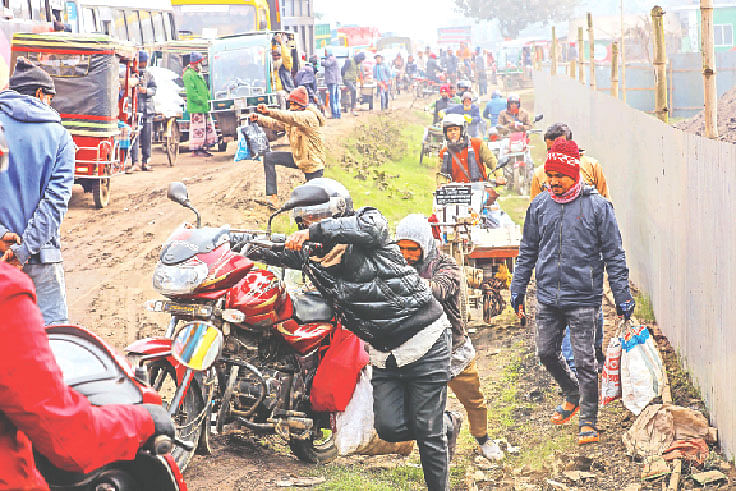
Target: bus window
20, 9
158, 31
168, 25
226, 18
134, 27
118, 28
88, 20
146, 26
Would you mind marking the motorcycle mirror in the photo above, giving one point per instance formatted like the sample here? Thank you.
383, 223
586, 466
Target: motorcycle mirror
197, 345
538, 117
178, 193
502, 163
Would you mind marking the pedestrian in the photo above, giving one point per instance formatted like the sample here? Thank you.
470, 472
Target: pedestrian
376, 295
416, 242
146, 91
452, 63
412, 70
494, 108
306, 77
591, 173
280, 72
350, 75
333, 81
421, 64
303, 125
202, 132
570, 236
482, 75
37, 186
382, 76
465, 159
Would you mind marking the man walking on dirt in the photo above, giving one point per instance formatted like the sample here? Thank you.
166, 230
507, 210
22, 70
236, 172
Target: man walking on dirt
37, 186
382, 76
201, 128
303, 124
417, 245
333, 79
146, 91
570, 235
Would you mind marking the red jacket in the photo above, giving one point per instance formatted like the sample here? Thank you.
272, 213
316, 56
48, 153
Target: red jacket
38, 409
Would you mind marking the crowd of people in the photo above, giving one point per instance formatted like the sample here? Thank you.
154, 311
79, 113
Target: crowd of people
400, 294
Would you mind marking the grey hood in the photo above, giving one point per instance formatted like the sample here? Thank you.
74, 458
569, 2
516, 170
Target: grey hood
27, 109
417, 228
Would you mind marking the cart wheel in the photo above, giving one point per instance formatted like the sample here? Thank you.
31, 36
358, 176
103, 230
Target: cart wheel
172, 145
101, 192
221, 146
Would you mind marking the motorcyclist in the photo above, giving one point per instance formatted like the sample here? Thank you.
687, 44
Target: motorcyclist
433, 69
39, 413
471, 112
465, 159
494, 107
411, 67
441, 105
379, 297
463, 86
514, 118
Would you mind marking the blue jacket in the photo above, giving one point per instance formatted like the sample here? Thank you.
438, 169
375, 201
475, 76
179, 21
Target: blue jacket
37, 186
494, 108
381, 73
569, 244
332, 70
474, 113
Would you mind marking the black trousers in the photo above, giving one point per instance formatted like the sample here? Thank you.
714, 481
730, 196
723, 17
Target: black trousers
145, 141
286, 159
409, 404
353, 94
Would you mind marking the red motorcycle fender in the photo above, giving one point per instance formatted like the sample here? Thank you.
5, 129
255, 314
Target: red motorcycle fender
151, 347
177, 473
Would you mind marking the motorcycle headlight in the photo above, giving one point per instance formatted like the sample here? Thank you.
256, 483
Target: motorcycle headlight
179, 279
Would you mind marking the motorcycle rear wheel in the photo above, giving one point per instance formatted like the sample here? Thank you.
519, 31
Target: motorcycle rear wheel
189, 418
315, 451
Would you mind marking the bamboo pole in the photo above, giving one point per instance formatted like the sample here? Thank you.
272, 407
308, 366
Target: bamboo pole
710, 94
614, 69
591, 51
581, 56
623, 54
554, 51
660, 65
573, 68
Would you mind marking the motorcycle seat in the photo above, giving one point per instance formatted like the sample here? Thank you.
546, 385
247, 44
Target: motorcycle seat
311, 307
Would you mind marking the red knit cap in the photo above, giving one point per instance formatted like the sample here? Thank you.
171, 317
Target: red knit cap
299, 96
564, 157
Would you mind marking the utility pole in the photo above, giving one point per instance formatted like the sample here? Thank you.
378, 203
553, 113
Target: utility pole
614, 69
660, 65
591, 51
581, 56
709, 69
554, 51
623, 54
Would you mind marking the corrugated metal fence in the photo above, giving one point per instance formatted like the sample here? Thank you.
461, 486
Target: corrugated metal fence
675, 200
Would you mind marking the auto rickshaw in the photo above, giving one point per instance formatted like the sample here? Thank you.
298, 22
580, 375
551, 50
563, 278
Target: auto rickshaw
94, 77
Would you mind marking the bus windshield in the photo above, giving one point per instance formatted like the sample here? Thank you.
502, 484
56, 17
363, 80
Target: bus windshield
215, 20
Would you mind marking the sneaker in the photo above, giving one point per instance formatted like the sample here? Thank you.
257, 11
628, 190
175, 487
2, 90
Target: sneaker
146, 166
455, 422
491, 450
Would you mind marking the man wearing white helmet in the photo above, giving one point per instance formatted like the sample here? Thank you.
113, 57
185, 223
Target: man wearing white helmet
465, 159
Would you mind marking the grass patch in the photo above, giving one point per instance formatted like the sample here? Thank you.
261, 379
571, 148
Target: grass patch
402, 477
644, 310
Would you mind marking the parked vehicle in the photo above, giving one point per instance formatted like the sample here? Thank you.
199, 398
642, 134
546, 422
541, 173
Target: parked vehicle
94, 370
93, 75
272, 342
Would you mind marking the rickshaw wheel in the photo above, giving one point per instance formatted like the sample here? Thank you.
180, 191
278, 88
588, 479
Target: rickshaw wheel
172, 145
101, 192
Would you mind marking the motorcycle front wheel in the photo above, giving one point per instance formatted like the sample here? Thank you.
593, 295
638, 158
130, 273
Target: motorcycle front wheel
189, 417
320, 449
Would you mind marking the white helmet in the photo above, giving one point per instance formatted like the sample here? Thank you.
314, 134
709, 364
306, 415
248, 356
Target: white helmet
455, 120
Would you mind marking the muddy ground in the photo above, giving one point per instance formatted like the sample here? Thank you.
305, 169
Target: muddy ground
110, 255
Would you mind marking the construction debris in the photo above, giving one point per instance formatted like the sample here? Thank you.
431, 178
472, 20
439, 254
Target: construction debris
660, 425
726, 119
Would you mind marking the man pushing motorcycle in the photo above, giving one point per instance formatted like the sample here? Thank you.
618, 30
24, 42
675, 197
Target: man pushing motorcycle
39, 412
382, 299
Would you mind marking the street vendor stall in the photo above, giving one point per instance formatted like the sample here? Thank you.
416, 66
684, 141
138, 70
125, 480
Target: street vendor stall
94, 77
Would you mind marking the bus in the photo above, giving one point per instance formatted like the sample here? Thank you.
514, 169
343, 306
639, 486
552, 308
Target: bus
24, 16
215, 18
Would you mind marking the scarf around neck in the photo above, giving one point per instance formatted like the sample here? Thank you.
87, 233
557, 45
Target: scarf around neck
569, 196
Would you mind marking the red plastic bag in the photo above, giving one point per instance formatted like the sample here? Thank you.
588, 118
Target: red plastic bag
338, 372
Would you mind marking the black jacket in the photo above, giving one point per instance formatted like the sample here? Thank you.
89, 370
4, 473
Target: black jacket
286, 81
376, 294
145, 101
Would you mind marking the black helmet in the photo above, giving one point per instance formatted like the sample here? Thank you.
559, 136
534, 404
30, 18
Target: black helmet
319, 199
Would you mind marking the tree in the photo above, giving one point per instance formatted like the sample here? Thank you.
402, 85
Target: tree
515, 15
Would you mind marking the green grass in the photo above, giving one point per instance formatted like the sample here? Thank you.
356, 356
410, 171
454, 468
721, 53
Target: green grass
403, 477
515, 206
644, 310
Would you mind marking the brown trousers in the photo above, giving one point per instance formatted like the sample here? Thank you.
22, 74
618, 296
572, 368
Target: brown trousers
466, 387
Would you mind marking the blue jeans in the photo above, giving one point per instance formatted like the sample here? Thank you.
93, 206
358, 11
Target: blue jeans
48, 279
383, 96
334, 99
598, 341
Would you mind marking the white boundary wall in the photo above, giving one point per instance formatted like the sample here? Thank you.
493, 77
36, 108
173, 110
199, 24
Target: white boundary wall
675, 200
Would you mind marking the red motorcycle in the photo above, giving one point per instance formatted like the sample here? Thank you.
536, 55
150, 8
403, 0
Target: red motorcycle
273, 341
94, 370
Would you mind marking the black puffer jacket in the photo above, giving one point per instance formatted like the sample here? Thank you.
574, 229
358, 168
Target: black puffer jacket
376, 294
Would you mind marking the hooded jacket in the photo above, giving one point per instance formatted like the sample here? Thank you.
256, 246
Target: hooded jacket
39, 412
494, 108
198, 96
305, 135
38, 183
567, 246
443, 273
332, 70
145, 101
375, 293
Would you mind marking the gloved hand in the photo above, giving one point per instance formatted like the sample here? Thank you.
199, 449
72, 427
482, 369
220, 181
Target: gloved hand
517, 300
625, 309
163, 427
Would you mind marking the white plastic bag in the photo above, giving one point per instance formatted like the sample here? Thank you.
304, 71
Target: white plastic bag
355, 424
641, 369
611, 373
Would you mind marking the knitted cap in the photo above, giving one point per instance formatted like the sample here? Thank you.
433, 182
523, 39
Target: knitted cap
564, 157
299, 96
27, 78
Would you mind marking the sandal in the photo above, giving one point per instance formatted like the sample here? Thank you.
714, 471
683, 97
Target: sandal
585, 437
563, 415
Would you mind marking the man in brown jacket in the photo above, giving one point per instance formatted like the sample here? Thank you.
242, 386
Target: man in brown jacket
417, 245
514, 118
303, 124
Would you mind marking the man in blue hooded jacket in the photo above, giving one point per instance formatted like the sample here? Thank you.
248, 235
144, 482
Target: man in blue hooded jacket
494, 107
37, 185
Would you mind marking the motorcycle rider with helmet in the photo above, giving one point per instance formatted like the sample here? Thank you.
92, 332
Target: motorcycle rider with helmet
471, 112
39, 412
463, 86
385, 302
440, 106
465, 159
514, 118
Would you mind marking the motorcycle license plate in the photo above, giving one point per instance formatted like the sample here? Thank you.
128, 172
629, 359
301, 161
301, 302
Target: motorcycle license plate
181, 309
